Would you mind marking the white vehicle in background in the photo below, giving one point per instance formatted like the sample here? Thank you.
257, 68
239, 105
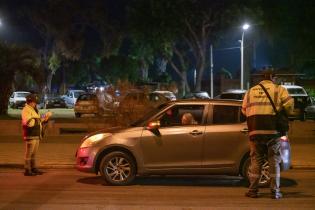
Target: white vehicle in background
301, 99
168, 94
71, 97
18, 99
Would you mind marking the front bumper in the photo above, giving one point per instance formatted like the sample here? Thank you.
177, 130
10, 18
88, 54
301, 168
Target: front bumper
85, 159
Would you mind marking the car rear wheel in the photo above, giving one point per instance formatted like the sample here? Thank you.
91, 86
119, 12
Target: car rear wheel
264, 180
118, 168
78, 115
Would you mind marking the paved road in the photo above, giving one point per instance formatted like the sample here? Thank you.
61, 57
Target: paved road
59, 151
65, 189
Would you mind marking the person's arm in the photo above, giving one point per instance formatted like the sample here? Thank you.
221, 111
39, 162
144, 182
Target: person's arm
287, 101
27, 118
244, 104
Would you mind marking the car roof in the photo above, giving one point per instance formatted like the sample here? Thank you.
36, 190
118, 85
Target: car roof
21, 92
292, 86
212, 101
240, 91
77, 90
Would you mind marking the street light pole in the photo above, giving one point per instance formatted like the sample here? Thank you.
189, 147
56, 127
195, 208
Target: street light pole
211, 72
245, 27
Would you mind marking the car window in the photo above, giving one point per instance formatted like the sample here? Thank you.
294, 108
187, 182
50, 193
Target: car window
296, 90
227, 114
77, 94
238, 96
21, 94
174, 115
86, 97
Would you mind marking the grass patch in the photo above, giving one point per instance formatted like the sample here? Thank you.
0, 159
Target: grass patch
57, 113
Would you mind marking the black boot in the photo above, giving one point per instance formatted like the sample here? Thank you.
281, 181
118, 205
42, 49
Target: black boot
29, 173
36, 171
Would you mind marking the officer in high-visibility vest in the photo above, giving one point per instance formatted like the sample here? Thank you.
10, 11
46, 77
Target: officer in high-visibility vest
32, 124
263, 135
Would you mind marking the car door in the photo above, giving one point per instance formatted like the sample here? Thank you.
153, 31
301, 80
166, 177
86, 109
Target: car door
225, 138
178, 147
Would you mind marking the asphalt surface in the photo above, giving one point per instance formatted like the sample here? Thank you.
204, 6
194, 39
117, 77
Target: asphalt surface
59, 152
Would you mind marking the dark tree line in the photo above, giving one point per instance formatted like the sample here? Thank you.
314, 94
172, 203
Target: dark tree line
124, 39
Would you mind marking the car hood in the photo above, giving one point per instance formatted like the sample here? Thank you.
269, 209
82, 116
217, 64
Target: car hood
114, 130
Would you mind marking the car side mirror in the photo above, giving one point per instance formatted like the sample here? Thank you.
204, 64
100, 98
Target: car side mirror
154, 126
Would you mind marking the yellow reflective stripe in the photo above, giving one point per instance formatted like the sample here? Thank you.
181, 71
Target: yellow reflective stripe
258, 104
262, 132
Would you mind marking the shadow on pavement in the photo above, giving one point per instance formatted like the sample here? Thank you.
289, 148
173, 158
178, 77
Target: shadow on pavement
217, 181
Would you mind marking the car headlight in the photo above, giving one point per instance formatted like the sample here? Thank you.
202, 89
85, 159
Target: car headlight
94, 139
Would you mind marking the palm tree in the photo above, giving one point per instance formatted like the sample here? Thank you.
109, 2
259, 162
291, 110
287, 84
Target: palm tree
14, 59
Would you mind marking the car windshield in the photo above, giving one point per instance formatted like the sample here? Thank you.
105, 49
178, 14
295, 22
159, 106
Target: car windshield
77, 93
147, 116
296, 91
86, 97
232, 96
22, 94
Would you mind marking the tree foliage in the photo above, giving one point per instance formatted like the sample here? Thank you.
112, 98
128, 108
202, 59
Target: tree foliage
182, 30
291, 27
13, 60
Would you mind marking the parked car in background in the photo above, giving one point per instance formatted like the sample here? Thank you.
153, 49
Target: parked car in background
87, 103
160, 143
301, 100
168, 94
310, 109
136, 103
18, 99
52, 101
197, 95
71, 97
237, 94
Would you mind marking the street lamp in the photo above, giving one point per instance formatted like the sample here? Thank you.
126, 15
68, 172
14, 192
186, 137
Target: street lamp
245, 27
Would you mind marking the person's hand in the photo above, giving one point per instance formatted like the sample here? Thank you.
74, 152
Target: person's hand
47, 116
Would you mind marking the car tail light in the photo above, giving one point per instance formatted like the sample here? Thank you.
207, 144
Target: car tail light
284, 138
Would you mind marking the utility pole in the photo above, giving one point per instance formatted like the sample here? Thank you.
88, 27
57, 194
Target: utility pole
211, 72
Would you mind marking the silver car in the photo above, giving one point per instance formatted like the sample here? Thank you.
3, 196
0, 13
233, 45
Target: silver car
213, 141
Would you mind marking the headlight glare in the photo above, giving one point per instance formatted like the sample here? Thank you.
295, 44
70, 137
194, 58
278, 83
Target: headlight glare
93, 139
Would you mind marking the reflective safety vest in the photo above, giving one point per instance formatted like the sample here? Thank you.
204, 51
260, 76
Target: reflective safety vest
31, 123
258, 109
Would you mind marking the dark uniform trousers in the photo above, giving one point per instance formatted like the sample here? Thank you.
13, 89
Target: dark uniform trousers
257, 155
31, 147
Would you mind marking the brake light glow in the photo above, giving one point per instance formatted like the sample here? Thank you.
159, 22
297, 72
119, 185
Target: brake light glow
284, 138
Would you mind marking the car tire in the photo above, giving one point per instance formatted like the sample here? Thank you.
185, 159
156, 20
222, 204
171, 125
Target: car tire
78, 115
118, 168
265, 178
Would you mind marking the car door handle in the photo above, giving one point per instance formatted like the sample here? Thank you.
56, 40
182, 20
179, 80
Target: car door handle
195, 132
245, 130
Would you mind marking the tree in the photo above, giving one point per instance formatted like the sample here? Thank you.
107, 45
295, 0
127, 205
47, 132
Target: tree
290, 28
61, 33
15, 59
182, 30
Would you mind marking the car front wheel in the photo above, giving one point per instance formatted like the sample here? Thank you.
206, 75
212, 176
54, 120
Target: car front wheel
264, 180
118, 168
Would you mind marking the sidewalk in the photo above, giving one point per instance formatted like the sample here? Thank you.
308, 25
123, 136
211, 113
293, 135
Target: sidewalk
59, 152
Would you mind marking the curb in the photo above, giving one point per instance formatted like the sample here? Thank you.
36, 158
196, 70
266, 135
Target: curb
72, 166
48, 166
